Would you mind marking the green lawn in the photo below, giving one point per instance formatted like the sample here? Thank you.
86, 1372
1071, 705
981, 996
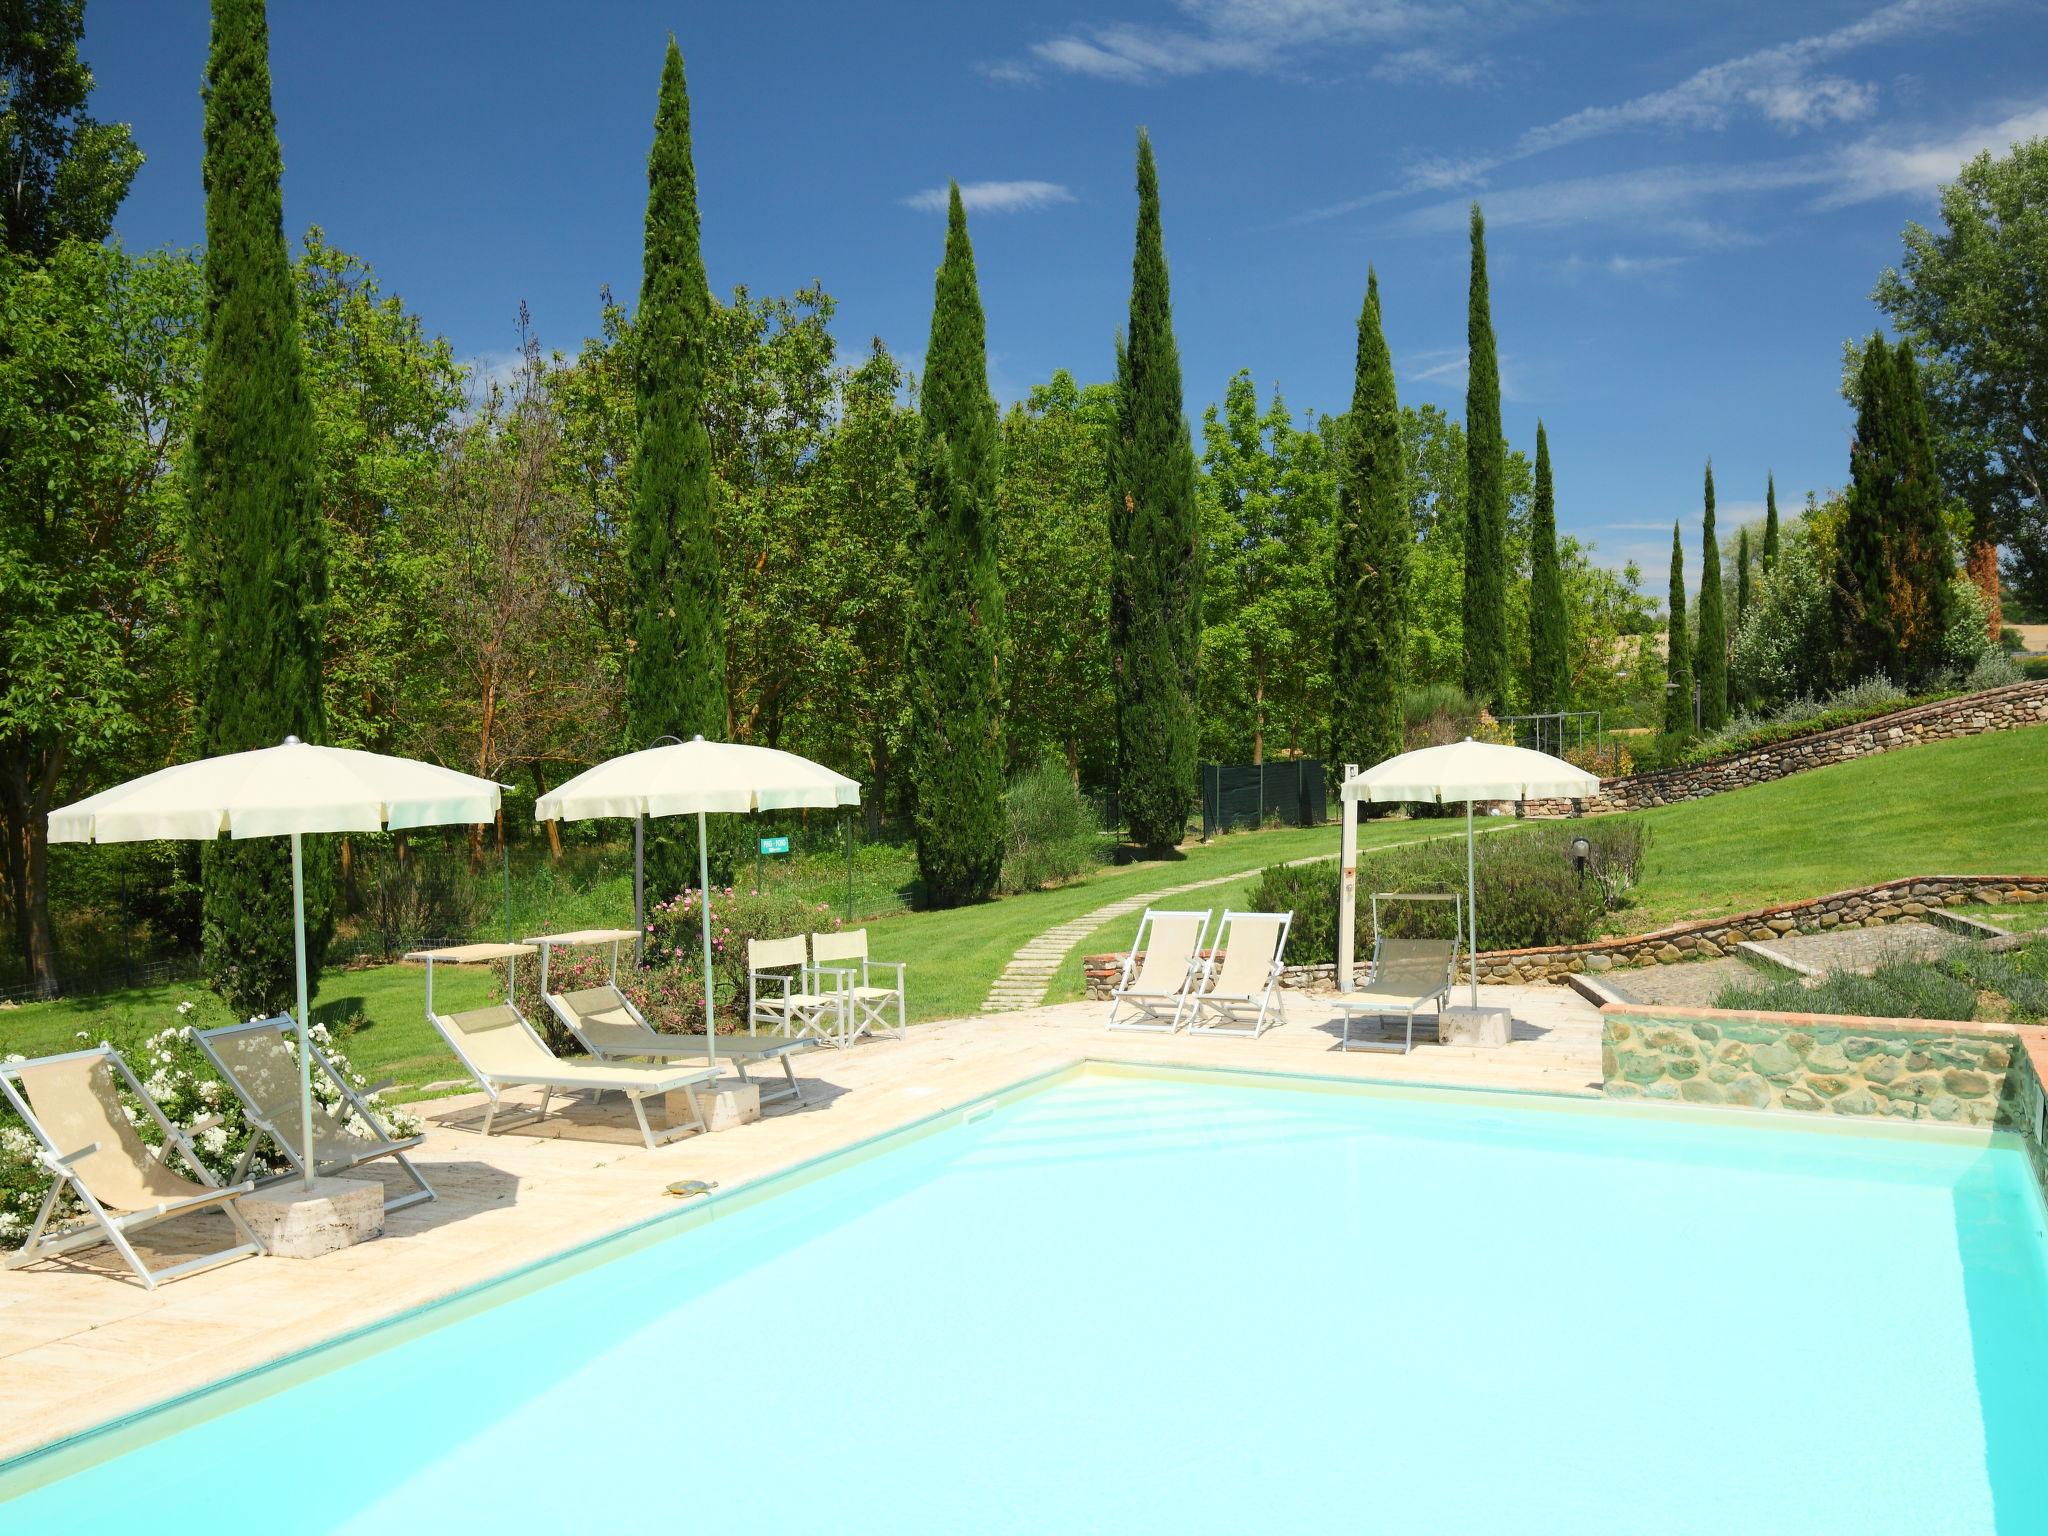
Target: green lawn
1972, 806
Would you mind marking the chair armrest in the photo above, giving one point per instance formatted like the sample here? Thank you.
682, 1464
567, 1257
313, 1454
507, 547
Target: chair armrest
203, 1123
889, 965
844, 973
382, 1085
60, 1163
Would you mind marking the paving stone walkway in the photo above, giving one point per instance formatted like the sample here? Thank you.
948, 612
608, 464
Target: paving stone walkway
1693, 985
1864, 949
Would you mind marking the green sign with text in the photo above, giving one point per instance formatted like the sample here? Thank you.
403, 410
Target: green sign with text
775, 845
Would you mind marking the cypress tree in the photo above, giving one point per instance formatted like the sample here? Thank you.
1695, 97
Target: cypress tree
1741, 578
1486, 504
1770, 550
1549, 667
1890, 596
1677, 648
256, 556
1369, 648
1923, 562
956, 736
1711, 664
1155, 613
675, 658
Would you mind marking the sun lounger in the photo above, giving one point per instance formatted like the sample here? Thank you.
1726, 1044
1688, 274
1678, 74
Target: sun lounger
605, 1022
1164, 960
257, 1062
799, 1010
843, 958
72, 1109
501, 1050
1406, 975
1235, 996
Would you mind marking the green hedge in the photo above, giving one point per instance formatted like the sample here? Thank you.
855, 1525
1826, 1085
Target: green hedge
1530, 892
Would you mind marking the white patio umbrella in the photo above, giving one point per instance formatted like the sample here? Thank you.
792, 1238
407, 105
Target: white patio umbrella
286, 790
1466, 770
697, 776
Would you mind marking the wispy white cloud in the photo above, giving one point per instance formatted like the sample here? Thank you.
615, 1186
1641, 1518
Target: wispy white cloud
1446, 370
1258, 36
993, 197
1643, 268
1783, 85
1698, 204
1891, 166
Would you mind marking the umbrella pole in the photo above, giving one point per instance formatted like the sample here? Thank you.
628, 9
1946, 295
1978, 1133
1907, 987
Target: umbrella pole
305, 1039
1471, 909
640, 889
704, 907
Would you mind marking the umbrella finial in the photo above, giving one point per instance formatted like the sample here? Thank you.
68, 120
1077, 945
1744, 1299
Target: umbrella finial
698, 737
291, 741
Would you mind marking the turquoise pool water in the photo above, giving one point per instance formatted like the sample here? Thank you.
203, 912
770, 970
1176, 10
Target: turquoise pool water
1126, 1304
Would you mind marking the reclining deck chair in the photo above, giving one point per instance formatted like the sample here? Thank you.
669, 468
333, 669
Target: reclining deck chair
844, 958
1233, 997
605, 1023
501, 1050
1156, 985
71, 1107
1406, 974
258, 1064
800, 1011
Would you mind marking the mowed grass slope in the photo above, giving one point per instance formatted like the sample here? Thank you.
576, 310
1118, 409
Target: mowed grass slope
1974, 806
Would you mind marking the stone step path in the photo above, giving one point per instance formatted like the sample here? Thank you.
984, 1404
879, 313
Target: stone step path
1024, 980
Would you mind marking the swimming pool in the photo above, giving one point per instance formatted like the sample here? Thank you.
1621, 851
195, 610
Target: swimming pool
1144, 1303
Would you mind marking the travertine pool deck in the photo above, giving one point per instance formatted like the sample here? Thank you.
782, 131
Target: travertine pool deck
81, 1343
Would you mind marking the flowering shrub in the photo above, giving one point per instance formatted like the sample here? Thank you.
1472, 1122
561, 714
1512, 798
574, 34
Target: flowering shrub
669, 989
175, 1072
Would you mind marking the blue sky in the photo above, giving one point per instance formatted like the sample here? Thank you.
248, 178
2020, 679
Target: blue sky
1688, 205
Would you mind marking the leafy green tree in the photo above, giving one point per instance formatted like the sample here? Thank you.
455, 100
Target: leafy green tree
256, 559
1892, 566
1741, 576
1155, 613
1973, 300
1055, 543
956, 726
1549, 665
1677, 647
1369, 572
75, 496
1770, 549
1710, 666
97, 372
1269, 505
675, 661
62, 173
1486, 568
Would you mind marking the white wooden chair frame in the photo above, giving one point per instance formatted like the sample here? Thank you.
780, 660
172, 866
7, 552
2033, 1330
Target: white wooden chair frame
855, 982
799, 1011
114, 1227
1150, 1008
1238, 1013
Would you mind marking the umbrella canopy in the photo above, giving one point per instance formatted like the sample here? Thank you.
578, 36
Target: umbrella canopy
280, 791
692, 777
276, 790
695, 777
1470, 770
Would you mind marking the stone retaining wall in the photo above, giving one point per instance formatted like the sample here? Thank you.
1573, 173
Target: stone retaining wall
1905, 1069
1869, 906
1995, 709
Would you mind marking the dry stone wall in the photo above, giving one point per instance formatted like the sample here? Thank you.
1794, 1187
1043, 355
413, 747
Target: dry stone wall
1996, 709
1904, 1069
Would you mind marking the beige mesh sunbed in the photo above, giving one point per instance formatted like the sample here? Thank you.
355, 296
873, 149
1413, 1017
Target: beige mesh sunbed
259, 1064
501, 1050
1406, 974
1164, 961
71, 1106
1234, 997
605, 1023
